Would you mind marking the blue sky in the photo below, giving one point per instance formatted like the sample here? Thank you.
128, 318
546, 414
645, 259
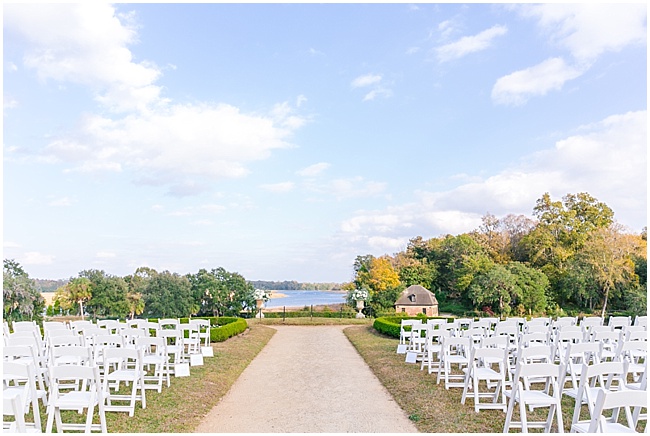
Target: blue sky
281, 141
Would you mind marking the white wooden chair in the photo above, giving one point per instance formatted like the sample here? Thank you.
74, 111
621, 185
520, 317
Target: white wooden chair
455, 351
174, 346
577, 355
610, 341
405, 333
641, 321
619, 321
123, 365
154, 353
525, 394
433, 348
19, 382
88, 398
490, 366
613, 400
28, 355
203, 326
12, 406
605, 375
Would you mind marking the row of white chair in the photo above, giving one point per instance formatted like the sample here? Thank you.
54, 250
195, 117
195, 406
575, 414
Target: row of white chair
41, 370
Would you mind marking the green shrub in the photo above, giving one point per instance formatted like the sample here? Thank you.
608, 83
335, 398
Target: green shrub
390, 325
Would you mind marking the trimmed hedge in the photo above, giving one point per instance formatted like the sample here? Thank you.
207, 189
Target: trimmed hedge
390, 325
221, 327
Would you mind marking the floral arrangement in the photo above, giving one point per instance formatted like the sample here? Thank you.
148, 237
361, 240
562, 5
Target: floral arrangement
261, 294
358, 294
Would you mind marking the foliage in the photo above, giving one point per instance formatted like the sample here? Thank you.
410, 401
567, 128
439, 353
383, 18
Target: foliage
21, 299
73, 294
168, 295
573, 258
108, 297
221, 293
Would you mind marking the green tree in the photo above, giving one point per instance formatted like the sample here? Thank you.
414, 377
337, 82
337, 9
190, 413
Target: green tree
108, 294
74, 294
219, 292
168, 295
21, 300
531, 285
497, 286
607, 253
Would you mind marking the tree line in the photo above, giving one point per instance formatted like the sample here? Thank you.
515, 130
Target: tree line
146, 292
294, 286
572, 258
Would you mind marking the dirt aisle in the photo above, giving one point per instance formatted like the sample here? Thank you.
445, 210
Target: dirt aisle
307, 380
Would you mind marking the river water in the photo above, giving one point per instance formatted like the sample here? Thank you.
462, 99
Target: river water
306, 298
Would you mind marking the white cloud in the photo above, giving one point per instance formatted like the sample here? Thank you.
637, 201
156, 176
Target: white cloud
608, 159
366, 80
278, 187
37, 258
379, 92
470, 44
105, 255
9, 102
61, 202
167, 147
86, 43
516, 88
164, 143
313, 170
352, 187
588, 30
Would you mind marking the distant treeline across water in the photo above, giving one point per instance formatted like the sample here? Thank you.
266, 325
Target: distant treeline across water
294, 286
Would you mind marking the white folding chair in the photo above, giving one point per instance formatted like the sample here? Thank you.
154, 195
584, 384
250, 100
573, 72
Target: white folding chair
405, 333
433, 348
89, 397
123, 365
635, 353
575, 356
12, 406
154, 353
610, 341
490, 366
19, 381
641, 321
619, 321
455, 351
524, 394
416, 343
203, 326
613, 400
605, 375
174, 346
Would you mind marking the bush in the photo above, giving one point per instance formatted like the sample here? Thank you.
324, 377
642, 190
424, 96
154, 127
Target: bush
391, 325
221, 327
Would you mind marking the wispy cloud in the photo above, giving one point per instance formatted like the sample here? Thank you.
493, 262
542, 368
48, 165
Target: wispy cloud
469, 44
313, 170
373, 81
36, 258
550, 75
61, 202
585, 31
278, 187
181, 146
366, 80
607, 159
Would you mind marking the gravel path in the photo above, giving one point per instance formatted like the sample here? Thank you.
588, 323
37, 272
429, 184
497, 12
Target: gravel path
307, 380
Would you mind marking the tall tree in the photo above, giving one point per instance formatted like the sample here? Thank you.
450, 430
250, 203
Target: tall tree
74, 294
21, 300
168, 295
607, 253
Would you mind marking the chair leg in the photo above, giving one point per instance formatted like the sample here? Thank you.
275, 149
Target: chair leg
524, 418
511, 406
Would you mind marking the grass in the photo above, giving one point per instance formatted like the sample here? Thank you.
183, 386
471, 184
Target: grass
431, 407
181, 407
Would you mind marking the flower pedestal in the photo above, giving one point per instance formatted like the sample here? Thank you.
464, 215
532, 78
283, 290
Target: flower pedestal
360, 306
259, 303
